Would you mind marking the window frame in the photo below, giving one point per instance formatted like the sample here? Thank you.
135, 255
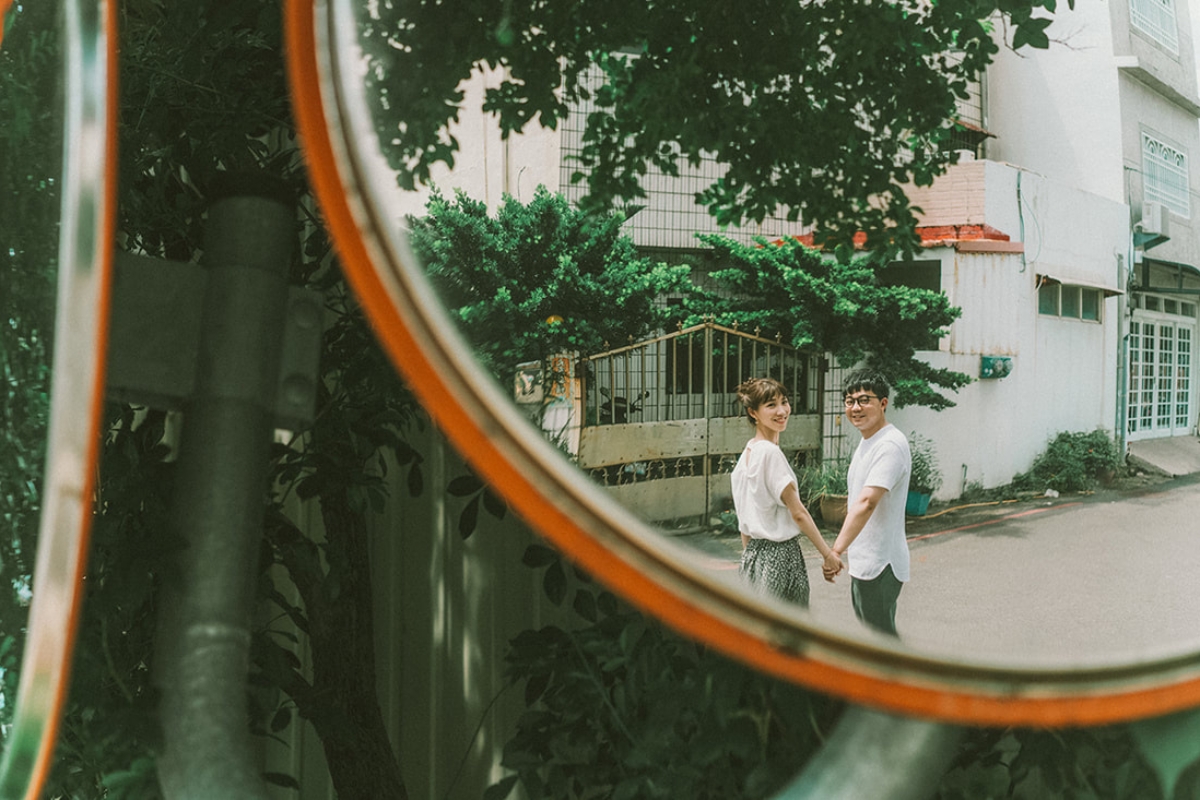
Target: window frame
1158, 20
1079, 304
1156, 160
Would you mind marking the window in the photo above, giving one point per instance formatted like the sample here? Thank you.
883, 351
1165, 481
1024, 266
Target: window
1156, 19
1048, 299
1165, 172
1070, 302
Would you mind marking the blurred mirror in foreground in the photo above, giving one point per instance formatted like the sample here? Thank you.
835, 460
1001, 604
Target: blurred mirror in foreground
685, 218
56, 179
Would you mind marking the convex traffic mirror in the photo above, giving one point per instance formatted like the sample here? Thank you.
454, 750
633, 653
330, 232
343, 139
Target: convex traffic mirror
675, 582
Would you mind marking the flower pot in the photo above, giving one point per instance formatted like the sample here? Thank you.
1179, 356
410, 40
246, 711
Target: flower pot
918, 503
833, 508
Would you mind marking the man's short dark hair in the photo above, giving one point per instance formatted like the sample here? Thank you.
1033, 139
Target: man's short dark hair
866, 380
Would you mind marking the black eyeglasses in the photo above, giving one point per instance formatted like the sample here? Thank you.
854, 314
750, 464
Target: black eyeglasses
863, 400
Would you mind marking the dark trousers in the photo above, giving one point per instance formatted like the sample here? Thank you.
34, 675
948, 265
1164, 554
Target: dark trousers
875, 600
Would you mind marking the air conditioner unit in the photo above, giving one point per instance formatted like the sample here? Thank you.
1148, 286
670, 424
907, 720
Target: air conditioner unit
1153, 230
1155, 219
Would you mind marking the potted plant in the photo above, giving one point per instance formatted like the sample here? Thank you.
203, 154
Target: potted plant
926, 477
824, 487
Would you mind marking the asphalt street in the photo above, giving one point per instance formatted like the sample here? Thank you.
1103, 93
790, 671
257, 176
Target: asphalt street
1069, 581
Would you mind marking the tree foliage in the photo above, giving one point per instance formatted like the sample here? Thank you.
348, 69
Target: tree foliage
619, 707
817, 107
537, 279
542, 278
837, 306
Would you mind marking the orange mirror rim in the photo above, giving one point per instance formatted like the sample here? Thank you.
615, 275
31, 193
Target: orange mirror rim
77, 390
613, 545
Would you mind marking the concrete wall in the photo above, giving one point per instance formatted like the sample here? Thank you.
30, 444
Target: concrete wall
1056, 112
1076, 112
487, 166
1178, 127
1064, 376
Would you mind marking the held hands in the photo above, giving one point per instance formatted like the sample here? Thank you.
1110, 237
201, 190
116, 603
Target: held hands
832, 566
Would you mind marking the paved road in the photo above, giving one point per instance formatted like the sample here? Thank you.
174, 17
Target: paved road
1067, 582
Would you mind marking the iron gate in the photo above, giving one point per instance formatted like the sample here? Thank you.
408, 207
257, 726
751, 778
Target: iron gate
662, 426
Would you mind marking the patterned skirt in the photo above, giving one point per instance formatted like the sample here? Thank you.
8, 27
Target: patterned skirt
776, 569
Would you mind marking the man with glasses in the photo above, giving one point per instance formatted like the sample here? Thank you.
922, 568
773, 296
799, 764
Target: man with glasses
873, 535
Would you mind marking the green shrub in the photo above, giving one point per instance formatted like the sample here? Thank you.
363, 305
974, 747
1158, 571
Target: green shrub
1072, 462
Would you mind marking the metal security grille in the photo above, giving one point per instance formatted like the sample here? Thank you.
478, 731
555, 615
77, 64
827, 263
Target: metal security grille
1166, 175
690, 374
1156, 19
668, 216
1183, 378
1141, 376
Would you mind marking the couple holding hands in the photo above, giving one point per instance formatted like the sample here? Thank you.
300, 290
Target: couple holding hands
871, 544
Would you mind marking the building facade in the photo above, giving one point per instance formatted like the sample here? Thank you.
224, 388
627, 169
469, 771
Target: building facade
1036, 266
1112, 108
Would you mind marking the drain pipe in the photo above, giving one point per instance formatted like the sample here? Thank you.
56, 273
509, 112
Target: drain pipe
203, 641
1121, 423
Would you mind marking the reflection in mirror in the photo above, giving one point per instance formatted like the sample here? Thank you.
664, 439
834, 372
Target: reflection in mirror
31, 144
622, 334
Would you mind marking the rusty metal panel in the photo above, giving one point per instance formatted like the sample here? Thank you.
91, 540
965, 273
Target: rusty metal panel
642, 441
729, 434
661, 500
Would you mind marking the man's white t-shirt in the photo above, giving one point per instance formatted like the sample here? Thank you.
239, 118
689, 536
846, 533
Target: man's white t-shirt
759, 478
883, 460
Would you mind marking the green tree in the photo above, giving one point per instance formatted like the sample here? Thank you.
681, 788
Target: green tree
838, 306
816, 107
537, 279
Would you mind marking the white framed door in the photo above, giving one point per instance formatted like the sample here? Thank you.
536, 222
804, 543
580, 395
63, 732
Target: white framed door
1160, 376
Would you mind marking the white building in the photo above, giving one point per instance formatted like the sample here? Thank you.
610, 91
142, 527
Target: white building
1108, 113
1035, 265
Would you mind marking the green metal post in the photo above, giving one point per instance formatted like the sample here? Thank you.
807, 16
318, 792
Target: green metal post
203, 644
877, 755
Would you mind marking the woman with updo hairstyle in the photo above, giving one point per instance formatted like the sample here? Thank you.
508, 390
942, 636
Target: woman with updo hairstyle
767, 501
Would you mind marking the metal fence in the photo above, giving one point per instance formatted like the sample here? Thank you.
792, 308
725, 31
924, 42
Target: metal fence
662, 425
691, 374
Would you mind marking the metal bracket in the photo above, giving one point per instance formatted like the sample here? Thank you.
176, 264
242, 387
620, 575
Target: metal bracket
154, 340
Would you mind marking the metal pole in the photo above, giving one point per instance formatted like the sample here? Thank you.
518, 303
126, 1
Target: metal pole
877, 755
216, 517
